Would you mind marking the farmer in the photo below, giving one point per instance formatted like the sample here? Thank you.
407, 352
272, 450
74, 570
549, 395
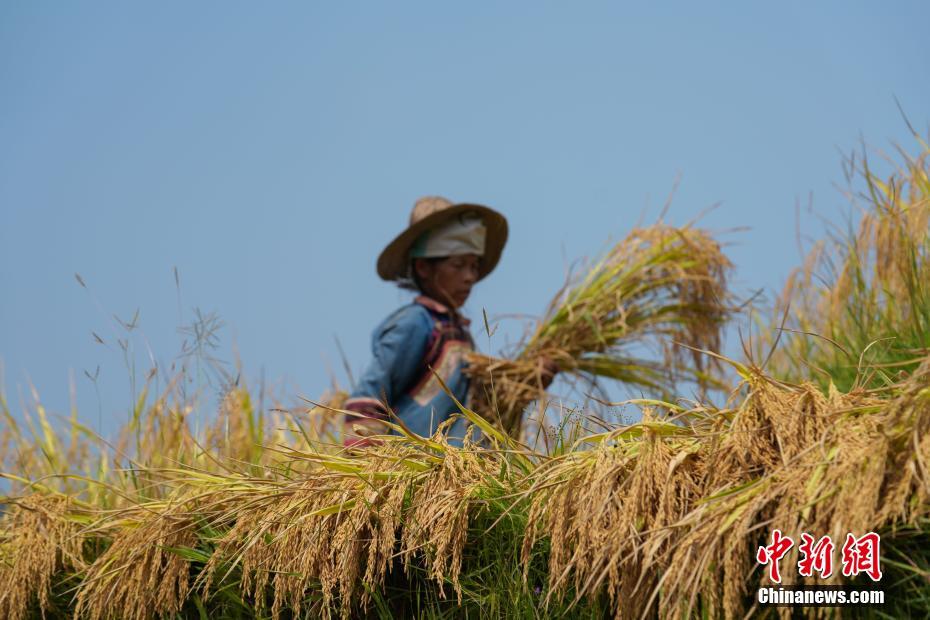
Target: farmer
444, 251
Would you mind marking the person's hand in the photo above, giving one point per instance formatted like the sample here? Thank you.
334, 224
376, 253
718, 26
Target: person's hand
547, 371
361, 432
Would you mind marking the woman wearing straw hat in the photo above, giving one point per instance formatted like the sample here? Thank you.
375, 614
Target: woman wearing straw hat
444, 251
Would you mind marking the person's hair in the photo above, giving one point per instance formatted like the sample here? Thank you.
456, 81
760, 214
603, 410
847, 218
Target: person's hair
412, 281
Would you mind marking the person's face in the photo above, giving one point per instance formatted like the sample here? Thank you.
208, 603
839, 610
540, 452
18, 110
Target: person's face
449, 280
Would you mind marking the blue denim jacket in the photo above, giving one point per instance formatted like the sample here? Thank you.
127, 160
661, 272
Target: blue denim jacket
418, 337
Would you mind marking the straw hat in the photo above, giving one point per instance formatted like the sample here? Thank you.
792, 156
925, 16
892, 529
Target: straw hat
431, 211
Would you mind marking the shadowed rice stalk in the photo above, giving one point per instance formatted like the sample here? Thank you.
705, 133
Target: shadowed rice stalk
39, 542
659, 286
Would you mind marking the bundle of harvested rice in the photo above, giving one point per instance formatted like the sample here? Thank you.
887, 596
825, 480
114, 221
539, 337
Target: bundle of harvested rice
658, 287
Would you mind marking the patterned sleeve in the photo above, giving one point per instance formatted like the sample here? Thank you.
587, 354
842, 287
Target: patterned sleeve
398, 346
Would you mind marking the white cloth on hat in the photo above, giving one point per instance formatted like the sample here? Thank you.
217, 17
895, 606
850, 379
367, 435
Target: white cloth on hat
464, 234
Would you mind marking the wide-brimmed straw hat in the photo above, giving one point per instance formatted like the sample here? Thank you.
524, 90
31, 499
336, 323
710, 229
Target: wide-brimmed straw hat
429, 212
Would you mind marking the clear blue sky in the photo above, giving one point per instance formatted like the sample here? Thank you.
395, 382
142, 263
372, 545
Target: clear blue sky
270, 150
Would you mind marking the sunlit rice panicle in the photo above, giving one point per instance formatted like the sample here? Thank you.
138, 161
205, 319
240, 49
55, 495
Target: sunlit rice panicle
608, 512
141, 575
326, 532
39, 541
906, 422
436, 522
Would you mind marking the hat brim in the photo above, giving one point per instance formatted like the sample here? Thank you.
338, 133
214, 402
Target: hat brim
393, 262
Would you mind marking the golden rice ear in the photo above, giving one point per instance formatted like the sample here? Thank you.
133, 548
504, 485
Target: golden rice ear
143, 574
40, 539
435, 526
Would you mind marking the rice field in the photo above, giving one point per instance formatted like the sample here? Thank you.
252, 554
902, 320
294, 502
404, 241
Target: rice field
822, 426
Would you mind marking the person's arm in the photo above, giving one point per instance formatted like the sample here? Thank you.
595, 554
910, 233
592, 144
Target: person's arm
397, 347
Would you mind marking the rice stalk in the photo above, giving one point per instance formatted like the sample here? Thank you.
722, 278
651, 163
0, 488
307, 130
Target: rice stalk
857, 312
